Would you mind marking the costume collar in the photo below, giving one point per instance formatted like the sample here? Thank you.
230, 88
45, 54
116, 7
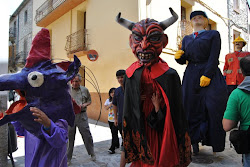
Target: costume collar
157, 69
199, 32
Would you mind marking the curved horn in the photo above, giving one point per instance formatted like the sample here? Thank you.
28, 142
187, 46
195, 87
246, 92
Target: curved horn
124, 22
166, 23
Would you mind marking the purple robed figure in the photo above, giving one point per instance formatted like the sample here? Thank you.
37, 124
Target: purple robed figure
46, 106
49, 151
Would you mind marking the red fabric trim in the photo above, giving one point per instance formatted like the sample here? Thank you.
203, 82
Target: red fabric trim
64, 65
169, 146
157, 69
130, 71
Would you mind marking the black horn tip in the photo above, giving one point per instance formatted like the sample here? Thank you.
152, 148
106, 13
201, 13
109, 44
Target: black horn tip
173, 12
118, 16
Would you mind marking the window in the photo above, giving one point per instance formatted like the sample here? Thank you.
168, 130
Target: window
183, 13
14, 29
236, 6
236, 34
25, 16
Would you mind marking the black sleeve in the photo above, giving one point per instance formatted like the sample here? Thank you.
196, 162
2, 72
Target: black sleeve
156, 120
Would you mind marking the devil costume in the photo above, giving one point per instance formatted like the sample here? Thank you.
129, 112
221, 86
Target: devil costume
153, 138
164, 133
204, 105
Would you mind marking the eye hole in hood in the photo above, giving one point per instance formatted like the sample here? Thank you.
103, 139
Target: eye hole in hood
35, 79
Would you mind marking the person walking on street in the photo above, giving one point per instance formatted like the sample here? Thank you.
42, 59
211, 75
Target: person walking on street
118, 101
232, 71
82, 97
114, 130
238, 105
204, 88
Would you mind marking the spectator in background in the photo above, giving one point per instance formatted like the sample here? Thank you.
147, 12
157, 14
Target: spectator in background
114, 130
232, 71
238, 105
118, 101
82, 97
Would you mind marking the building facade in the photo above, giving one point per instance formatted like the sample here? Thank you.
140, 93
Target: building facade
238, 14
20, 35
87, 28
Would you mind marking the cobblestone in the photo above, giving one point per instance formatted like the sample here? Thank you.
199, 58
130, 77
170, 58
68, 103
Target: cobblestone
102, 140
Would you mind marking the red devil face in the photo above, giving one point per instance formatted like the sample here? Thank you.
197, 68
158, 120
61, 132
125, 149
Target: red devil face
147, 41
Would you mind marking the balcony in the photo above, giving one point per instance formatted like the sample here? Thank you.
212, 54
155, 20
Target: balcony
76, 42
51, 10
20, 59
12, 35
184, 29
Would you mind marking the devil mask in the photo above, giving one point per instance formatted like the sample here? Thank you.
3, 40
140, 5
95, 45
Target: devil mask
148, 39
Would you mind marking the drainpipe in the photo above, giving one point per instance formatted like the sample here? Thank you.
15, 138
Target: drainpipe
229, 32
17, 35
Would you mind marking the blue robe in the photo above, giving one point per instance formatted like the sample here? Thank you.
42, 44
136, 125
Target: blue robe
204, 106
50, 151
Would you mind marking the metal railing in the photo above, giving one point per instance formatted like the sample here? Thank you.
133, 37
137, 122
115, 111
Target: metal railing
76, 42
12, 34
20, 59
184, 28
46, 8
12, 64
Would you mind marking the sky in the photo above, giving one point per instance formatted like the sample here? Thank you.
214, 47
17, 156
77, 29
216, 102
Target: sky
7, 8
13, 5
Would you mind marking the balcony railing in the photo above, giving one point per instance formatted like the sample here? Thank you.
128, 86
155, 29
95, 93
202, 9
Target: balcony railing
12, 34
76, 42
184, 29
20, 59
46, 8
12, 64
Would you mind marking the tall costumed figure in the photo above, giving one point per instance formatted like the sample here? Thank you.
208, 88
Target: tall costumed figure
154, 123
204, 88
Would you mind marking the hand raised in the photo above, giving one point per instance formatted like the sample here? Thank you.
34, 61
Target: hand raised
42, 118
156, 100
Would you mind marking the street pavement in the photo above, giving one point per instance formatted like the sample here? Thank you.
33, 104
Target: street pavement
102, 140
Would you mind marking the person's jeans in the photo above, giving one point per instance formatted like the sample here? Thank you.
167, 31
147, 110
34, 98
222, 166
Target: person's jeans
246, 160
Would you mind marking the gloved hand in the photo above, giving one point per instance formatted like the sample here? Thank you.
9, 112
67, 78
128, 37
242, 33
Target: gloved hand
204, 81
178, 54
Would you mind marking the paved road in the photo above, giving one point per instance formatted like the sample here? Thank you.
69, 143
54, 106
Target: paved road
102, 139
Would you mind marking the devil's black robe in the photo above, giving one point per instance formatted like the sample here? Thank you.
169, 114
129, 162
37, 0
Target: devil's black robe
135, 140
